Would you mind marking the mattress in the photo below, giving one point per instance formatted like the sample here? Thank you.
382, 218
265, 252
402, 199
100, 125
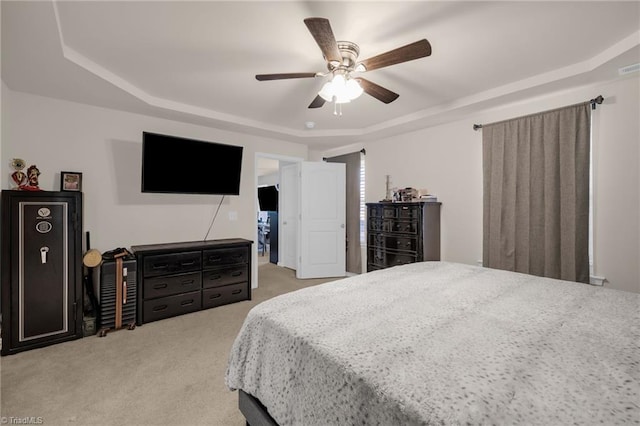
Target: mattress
443, 343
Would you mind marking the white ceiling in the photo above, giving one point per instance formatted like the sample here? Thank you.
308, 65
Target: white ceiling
196, 61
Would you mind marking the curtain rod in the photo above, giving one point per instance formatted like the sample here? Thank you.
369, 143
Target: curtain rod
363, 151
597, 100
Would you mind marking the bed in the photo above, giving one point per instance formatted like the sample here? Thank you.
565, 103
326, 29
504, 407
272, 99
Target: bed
440, 343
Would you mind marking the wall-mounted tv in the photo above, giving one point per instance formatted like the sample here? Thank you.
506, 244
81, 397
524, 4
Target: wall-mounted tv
268, 198
177, 165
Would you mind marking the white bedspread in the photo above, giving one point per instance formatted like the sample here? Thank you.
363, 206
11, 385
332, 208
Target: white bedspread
443, 343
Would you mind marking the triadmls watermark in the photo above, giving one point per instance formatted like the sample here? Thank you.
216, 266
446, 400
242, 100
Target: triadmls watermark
26, 420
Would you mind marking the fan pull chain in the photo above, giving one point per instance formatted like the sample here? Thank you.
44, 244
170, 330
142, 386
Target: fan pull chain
337, 109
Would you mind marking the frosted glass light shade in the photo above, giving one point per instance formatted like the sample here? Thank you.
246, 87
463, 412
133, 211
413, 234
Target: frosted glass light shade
339, 90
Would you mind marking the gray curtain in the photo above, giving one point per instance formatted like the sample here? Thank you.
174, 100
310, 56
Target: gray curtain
536, 194
352, 162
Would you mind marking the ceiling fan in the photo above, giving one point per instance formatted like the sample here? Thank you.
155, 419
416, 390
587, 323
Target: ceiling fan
342, 63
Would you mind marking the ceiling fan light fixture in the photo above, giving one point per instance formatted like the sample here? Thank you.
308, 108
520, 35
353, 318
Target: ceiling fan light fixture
353, 89
327, 91
340, 90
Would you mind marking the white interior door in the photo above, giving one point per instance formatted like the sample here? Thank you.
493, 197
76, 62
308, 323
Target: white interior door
288, 216
321, 224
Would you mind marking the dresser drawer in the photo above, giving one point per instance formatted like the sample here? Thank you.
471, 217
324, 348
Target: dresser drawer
395, 258
394, 241
171, 306
404, 226
220, 257
173, 263
389, 212
217, 296
374, 211
376, 224
371, 267
172, 284
407, 212
225, 276
386, 258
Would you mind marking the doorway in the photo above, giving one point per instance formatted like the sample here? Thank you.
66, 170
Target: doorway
269, 247
311, 216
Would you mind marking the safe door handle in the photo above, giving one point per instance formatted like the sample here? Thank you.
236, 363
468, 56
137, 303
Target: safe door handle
43, 254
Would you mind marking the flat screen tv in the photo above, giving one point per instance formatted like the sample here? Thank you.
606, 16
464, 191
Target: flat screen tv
268, 198
176, 165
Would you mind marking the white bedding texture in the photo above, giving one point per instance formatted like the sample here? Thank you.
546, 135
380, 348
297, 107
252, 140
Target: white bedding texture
443, 343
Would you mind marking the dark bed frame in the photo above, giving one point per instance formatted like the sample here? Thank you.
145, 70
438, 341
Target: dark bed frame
253, 411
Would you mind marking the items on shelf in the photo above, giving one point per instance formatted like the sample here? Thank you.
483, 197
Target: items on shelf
411, 194
407, 194
24, 181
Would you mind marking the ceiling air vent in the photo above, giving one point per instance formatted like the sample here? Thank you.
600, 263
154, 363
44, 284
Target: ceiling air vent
629, 69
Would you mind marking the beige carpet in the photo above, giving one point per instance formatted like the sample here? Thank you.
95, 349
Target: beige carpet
168, 372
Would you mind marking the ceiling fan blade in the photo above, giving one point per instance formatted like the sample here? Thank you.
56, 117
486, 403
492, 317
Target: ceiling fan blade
416, 50
378, 92
321, 31
263, 77
317, 102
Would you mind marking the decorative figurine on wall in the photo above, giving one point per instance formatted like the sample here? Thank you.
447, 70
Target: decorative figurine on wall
32, 179
18, 176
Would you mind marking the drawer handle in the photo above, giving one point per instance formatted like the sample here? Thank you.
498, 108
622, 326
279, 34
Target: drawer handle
189, 263
159, 308
215, 296
239, 256
215, 259
236, 274
215, 277
160, 265
187, 282
187, 302
160, 286
236, 292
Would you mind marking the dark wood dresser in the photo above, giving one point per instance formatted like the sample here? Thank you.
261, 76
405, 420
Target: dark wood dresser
402, 232
178, 278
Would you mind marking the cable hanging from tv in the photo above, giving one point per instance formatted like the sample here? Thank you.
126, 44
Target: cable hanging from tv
214, 219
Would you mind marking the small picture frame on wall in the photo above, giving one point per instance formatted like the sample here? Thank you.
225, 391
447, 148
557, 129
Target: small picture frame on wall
70, 181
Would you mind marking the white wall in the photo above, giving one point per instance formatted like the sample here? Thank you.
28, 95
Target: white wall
447, 160
105, 145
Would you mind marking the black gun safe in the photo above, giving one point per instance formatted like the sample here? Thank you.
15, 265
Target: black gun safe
41, 261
